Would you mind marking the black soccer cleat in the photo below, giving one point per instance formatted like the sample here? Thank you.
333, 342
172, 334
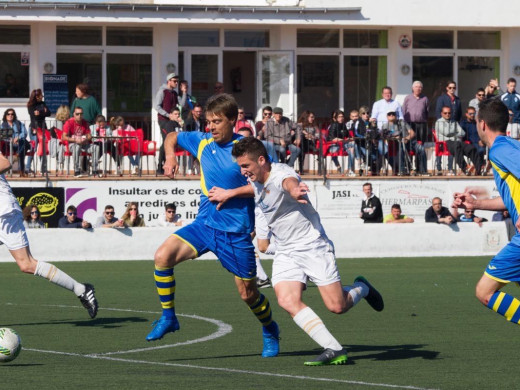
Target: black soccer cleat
373, 297
89, 301
329, 357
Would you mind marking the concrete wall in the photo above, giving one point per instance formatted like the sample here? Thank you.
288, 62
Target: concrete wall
351, 241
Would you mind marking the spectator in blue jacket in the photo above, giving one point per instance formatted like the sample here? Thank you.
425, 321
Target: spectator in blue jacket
19, 136
71, 220
449, 99
511, 99
472, 146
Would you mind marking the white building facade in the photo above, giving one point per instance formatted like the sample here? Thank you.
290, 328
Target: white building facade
300, 55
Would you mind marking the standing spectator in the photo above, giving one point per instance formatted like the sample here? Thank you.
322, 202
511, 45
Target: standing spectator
384, 106
38, 111
449, 99
480, 96
511, 99
416, 111
20, 143
166, 100
473, 146
76, 131
280, 130
87, 102
371, 209
108, 219
450, 131
71, 220
242, 121
131, 217
437, 213
195, 120
32, 218
513, 129
101, 129
309, 134
186, 101
174, 124
170, 218
395, 216
492, 89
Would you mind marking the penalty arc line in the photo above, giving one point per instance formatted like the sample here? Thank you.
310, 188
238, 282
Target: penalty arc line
231, 370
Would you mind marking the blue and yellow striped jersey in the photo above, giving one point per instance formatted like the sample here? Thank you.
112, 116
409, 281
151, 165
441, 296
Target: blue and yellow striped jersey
217, 169
505, 158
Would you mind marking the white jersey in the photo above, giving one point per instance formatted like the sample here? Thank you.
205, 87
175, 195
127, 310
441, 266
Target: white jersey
8, 201
292, 223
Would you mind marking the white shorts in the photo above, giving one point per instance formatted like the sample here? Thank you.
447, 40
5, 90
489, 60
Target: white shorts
315, 262
12, 231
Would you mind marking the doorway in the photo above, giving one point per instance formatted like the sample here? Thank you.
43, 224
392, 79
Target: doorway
239, 73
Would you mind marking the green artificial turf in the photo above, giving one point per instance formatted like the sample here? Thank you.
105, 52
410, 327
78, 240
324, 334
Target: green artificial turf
433, 332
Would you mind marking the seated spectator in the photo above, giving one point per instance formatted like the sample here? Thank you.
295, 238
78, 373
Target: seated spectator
437, 213
101, 129
342, 139
280, 131
131, 217
500, 216
309, 134
195, 120
371, 209
450, 131
468, 216
170, 218
245, 132
108, 219
76, 131
395, 216
18, 137
267, 113
242, 121
71, 219
56, 147
473, 146
480, 96
32, 218
120, 128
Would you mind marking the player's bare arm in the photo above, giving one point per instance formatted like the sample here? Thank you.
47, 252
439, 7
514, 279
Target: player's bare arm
296, 189
221, 196
5, 165
171, 165
468, 200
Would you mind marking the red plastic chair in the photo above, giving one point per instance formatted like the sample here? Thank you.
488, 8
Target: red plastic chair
132, 145
149, 150
441, 148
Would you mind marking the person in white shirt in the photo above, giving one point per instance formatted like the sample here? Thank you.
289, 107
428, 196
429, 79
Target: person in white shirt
303, 250
384, 106
14, 237
170, 218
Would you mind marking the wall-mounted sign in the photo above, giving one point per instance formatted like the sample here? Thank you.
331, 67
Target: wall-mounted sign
405, 41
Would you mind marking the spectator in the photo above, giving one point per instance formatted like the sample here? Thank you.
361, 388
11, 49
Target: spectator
32, 218
492, 89
416, 112
395, 216
76, 131
437, 213
309, 135
186, 101
120, 129
71, 219
166, 100
371, 140
219, 88
169, 219
101, 129
504, 216
195, 120
87, 102
38, 111
450, 131
245, 132
242, 121
473, 146
280, 131
468, 216
19, 137
511, 99
56, 147
449, 99
174, 125
357, 129
384, 106
513, 129
479, 97
371, 209
108, 219
267, 113
131, 217
338, 133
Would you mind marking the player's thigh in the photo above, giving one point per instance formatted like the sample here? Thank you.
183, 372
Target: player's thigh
235, 252
334, 297
173, 251
289, 295
24, 259
12, 231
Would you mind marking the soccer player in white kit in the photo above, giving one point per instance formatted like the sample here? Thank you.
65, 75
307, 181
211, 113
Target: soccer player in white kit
303, 251
13, 235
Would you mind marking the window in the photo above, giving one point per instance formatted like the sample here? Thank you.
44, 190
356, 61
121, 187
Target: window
246, 38
129, 36
374, 39
79, 36
478, 39
15, 35
432, 39
364, 78
14, 78
317, 38
199, 38
81, 68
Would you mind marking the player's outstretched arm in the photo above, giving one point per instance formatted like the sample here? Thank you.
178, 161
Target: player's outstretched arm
221, 196
171, 166
465, 200
298, 190
5, 165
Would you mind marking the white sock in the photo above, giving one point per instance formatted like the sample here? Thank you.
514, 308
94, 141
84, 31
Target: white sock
314, 327
271, 249
54, 275
260, 273
357, 291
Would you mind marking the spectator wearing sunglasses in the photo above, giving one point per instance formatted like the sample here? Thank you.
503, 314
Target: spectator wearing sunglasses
492, 89
170, 217
71, 220
449, 99
108, 219
32, 218
480, 96
131, 217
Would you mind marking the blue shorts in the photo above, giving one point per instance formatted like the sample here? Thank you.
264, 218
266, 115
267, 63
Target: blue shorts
235, 251
505, 266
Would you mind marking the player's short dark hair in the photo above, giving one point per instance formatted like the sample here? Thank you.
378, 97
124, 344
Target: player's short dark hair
250, 146
222, 104
495, 115
170, 206
396, 206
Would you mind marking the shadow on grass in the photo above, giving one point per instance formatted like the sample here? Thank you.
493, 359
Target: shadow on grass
107, 323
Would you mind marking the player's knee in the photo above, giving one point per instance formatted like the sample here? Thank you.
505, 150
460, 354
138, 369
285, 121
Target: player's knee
26, 266
482, 295
288, 302
337, 307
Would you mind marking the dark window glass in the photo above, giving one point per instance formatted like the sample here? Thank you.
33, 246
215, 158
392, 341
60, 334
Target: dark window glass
432, 39
14, 78
243, 38
15, 35
129, 36
318, 38
80, 36
374, 39
478, 39
199, 38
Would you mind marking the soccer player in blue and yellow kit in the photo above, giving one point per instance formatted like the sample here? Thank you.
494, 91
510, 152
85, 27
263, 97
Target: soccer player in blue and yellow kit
222, 227
504, 154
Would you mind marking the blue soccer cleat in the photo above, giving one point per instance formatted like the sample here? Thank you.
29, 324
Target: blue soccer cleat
373, 297
161, 327
271, 342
